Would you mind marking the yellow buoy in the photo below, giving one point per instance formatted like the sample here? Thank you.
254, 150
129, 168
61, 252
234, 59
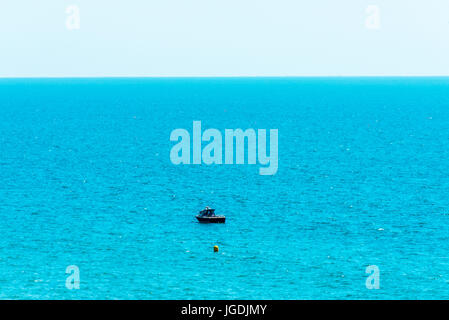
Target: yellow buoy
215, 248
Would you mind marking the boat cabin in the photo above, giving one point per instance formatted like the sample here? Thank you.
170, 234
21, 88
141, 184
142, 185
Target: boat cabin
207, 212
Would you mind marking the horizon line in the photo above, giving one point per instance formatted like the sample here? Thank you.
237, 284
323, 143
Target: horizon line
225, 76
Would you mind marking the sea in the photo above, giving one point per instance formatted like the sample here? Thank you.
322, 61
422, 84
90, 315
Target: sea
87, 184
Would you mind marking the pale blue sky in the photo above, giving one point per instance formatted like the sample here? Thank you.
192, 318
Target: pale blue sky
223, 38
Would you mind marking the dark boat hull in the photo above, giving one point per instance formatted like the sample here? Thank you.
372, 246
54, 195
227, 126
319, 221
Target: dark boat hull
216, 219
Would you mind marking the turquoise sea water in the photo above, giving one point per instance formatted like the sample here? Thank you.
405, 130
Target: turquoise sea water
86, 180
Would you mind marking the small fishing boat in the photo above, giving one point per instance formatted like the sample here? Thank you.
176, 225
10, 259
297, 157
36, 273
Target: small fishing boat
208, 216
